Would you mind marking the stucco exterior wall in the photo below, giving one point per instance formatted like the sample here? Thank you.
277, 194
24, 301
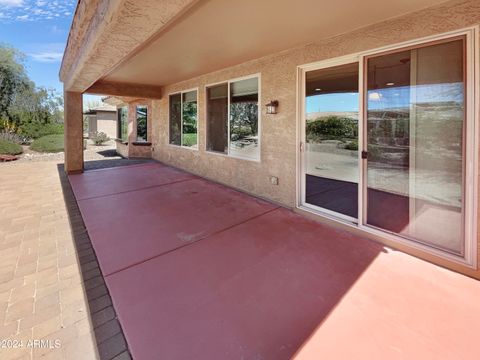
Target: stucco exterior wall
92, 124
107, 123
278, 81
122, 149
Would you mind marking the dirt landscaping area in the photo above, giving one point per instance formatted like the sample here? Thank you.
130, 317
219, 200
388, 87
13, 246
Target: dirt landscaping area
92, 152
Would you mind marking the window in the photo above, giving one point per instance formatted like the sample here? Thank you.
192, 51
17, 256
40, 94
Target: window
183, 119
122, 123
217, 118
142, 113
232, 118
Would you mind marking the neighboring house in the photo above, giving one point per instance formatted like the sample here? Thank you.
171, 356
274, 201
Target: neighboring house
102, 118
361, 114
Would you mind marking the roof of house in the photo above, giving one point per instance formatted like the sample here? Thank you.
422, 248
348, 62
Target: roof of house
102, 107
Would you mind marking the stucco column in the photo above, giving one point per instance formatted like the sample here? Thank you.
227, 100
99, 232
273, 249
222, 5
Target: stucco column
73, 113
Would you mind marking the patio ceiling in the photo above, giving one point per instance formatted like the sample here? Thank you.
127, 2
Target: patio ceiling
157, 47
216, 34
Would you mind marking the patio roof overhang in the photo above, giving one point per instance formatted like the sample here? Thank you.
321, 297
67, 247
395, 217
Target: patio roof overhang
134, 48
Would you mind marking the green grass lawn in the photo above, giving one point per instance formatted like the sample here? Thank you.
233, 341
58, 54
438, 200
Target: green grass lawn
189, 139
9, 148
49, 143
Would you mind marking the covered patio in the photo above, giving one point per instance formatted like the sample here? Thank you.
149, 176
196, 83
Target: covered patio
224, 246
197, 270
231, 91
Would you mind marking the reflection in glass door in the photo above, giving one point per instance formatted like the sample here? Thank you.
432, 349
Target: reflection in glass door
331, 139
415, 113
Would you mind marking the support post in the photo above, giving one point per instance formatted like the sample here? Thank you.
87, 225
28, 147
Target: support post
73, 114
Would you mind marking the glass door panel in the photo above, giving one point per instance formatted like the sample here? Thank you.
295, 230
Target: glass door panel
415, 113
331, 139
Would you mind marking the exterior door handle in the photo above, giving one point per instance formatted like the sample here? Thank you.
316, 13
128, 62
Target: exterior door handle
364, 154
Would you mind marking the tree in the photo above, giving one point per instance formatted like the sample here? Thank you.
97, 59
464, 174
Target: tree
21, 102
243, 119
91, 104
13, 78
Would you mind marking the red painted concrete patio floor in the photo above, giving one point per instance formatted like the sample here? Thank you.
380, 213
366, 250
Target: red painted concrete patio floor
200, 271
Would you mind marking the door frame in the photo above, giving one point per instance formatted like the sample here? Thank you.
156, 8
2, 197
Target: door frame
344, 60
472, 101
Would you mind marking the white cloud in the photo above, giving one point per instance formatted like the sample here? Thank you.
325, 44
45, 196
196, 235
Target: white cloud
47, 56
23, 18
45, 52
35, 10
11, 3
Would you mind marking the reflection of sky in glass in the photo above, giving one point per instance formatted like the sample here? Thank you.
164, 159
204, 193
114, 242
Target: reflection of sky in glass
386, 98
398, 97
332, 102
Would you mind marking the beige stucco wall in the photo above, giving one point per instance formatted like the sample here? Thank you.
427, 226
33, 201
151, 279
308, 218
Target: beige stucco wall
73, 135
279, 82
92, 124
122, 149
107, 123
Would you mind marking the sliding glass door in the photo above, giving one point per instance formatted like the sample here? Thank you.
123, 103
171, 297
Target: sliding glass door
415, 113
388, 143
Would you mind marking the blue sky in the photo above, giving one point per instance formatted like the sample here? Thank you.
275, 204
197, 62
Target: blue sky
332, 102
39, 29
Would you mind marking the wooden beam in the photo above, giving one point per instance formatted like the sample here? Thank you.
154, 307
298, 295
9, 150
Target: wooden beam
125, 90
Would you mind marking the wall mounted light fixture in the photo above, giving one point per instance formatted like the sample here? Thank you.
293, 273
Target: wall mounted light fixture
272, 107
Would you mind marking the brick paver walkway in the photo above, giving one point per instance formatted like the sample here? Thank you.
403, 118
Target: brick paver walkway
42, 295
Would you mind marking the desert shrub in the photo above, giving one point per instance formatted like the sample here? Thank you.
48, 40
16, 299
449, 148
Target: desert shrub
9, 148
38, 130
99, 138
13, 137
352, 145
49, 143
331, 128
189, 139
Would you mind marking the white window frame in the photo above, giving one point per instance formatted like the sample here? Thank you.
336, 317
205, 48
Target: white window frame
472, 118
181, 117
259, 125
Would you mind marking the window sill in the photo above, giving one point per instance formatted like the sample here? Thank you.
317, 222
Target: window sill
184, 147
121, 141
142, 143
216, 153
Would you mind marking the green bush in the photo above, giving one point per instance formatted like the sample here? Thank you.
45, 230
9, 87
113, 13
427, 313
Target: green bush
49, 143
11, 137
38, 130
189, 139
332, 128
99, 138
352, 145
9, 148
